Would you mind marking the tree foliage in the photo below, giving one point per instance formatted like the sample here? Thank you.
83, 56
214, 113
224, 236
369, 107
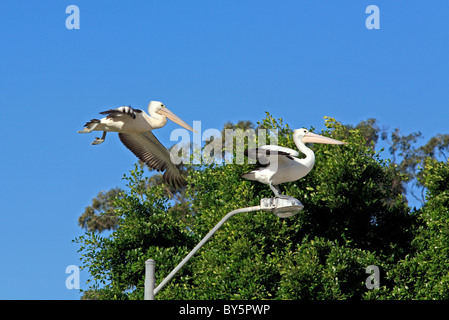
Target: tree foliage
355, 215
424, 271
147, 226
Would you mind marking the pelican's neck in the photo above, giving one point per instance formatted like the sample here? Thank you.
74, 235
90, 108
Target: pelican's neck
309, 161
155, 119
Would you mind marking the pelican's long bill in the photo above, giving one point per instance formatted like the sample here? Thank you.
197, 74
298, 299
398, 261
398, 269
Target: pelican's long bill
165, 112
310, 137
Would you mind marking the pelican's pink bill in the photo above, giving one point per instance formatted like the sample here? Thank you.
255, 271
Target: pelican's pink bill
316, 138
165, 112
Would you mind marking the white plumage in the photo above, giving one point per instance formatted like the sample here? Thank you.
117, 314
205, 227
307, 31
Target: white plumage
279, 164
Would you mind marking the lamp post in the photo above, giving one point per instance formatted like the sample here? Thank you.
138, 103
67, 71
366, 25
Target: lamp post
283, 207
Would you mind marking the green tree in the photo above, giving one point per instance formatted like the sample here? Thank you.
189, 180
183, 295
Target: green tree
101, 214
353, 217
147, 226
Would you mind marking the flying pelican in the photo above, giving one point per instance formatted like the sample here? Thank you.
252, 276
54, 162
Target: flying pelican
134, 130
279, 164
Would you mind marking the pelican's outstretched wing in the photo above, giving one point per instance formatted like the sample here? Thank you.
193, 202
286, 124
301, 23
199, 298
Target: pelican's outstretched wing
149, 150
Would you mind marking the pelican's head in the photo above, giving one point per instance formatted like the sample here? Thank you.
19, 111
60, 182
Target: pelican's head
157, 107
305, 136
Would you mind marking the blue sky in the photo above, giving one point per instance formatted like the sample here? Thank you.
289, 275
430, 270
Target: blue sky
213, 61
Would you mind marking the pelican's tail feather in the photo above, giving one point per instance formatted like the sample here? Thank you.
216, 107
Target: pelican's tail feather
249, 175
89, 126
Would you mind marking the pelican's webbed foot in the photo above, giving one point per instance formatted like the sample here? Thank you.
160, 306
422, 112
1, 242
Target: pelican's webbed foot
100, 140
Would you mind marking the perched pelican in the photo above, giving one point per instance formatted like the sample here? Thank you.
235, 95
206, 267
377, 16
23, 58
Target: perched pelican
279, 165
134, 130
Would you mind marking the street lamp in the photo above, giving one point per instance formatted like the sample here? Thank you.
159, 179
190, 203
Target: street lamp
282, 207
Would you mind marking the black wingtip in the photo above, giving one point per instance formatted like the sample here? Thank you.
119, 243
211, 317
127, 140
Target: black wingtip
176, 182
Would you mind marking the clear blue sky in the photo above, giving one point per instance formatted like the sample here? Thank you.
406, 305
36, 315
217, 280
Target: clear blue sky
213, 61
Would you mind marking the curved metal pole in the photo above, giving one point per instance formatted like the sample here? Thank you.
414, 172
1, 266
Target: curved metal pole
201, 243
